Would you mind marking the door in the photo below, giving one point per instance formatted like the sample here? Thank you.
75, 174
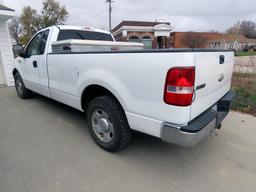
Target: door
34, 59
1, 71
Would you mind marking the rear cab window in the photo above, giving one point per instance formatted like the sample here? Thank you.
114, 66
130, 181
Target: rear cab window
86, 35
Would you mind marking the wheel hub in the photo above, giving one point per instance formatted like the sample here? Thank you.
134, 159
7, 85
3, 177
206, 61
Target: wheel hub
102, 125
19, 85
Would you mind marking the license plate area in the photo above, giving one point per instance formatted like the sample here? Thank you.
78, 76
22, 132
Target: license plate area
224, 103
223, 107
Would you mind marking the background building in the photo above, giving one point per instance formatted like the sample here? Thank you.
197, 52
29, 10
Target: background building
159, 35
6, 53
192, 39
211, 40
231, 41
151, 34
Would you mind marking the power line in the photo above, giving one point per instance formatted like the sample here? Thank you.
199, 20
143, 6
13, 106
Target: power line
93, 3
193, 13
92, 16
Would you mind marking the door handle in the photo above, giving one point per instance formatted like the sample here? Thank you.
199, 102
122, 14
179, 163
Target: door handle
35, 64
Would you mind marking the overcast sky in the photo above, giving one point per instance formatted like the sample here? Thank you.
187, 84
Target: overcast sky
184, 15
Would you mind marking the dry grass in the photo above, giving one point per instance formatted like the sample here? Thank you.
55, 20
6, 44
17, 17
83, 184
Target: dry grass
244, 84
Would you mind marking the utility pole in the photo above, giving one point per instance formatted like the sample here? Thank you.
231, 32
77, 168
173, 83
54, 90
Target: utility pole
109, 13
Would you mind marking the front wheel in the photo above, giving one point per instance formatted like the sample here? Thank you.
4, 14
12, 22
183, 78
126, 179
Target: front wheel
107, 123
22, 91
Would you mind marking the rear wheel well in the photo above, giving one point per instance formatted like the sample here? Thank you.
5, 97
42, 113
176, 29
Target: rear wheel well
93, 91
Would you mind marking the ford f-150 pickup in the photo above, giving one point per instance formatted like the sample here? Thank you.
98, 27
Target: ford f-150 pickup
178, 95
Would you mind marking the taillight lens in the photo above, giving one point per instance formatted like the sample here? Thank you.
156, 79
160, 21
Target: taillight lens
179, 86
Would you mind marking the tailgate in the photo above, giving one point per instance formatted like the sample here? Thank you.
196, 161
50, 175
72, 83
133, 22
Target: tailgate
212, 79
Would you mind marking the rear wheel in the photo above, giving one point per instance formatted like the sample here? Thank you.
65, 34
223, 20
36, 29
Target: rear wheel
22, 91
107, 123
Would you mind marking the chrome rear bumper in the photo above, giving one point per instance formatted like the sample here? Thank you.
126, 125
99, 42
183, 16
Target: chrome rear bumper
201, 126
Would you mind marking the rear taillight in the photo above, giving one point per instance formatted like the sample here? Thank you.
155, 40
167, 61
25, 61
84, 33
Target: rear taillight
179, 86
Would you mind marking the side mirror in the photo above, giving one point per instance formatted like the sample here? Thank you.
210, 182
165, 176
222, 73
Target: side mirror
18, 50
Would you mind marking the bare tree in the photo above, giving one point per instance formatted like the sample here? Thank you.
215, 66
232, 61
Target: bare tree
15, 29
235, 29
246, 28
30, 21
194, 40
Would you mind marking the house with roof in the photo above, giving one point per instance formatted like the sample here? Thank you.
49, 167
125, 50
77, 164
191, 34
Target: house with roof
6, 53
151, 34
211, 40
231, 41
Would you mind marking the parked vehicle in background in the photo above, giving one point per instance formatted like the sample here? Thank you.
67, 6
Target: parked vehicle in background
178, 95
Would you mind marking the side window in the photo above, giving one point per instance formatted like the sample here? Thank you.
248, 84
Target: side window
37, 45
33, 47
43, 42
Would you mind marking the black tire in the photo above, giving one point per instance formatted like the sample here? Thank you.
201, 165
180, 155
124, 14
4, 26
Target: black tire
116, 117
21, 90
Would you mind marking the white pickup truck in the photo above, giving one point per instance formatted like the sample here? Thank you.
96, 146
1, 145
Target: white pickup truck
178, 95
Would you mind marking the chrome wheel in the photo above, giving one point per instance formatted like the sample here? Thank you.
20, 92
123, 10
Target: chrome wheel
102, 125
19, 85
107, 123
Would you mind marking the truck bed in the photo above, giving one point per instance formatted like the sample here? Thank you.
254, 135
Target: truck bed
171, 50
